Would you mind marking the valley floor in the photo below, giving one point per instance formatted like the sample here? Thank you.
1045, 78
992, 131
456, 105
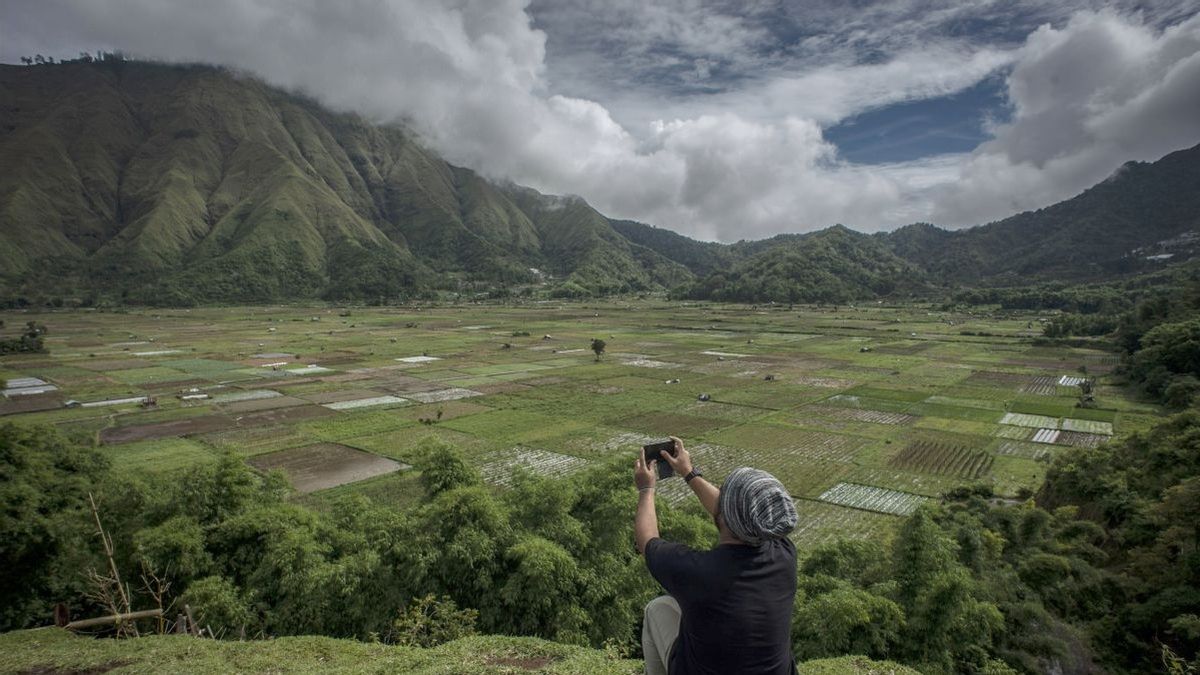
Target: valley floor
863, 412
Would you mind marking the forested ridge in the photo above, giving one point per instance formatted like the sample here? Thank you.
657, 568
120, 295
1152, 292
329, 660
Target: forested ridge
134, 182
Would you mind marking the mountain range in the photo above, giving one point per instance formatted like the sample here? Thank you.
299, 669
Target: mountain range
174, 184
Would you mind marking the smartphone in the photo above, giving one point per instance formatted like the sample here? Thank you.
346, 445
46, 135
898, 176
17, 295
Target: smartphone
654, 451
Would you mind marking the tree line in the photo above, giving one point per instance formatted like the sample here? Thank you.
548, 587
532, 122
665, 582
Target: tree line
1102, 569
100, 56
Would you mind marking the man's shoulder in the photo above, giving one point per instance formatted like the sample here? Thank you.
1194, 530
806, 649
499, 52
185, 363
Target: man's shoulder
659, 546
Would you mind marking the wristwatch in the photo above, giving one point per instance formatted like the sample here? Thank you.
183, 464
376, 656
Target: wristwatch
692, 474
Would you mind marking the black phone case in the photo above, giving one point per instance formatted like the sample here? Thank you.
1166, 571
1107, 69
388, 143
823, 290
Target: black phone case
654, 452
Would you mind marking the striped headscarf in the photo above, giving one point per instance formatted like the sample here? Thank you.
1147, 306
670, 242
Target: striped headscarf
755, 506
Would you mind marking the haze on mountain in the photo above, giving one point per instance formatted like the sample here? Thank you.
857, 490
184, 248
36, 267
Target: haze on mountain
721, 121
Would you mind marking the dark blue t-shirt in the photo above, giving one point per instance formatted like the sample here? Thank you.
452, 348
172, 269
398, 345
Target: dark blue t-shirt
736, 602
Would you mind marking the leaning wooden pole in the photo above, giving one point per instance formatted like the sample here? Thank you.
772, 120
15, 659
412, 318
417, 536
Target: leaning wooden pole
114, 620
112, 563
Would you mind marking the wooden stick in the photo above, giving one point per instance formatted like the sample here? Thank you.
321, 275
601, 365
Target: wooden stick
194, 629
108, 551
113, 620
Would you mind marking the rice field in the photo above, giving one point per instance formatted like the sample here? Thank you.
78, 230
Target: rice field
943, 459
324, 465
859, 438
501, 469
869, 498
1031, 421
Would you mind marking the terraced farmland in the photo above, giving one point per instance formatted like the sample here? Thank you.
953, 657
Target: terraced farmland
869, 498
944, 459
859, 437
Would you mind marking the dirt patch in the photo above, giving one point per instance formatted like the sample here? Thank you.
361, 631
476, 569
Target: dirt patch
296, 414
522, 662
288, 382
112, 364
665, 423
210, 423
175, 385
324, 465
30, 403
904, 348
991, 377
264, 404
348, 377
59, 670
186, 427
340, 360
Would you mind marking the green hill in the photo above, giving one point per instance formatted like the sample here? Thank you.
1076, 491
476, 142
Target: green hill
832, 265
53, 650
1111, 228
171, 183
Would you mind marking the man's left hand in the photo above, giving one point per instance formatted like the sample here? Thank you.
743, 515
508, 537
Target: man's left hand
645, 474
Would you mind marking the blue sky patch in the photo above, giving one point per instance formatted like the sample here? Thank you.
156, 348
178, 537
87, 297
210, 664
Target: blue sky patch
918, 129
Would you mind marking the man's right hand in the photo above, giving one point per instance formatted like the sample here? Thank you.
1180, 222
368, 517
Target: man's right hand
680, 460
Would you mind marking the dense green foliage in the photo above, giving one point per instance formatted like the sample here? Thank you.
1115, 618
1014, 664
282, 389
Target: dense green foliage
30, 340
1105, 576
1103, 570
1146, 495
1162, 337
831, 266
543, 559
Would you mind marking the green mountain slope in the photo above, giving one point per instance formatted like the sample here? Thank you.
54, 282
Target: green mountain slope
174, 184
581, 245
180, 183
832, 265
701, 257
1093, 235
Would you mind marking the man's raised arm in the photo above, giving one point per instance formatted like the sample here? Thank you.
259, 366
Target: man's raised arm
645, 521
681, 462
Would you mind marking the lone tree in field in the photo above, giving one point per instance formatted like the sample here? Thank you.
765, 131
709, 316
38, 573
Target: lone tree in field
1087, 396
598, 346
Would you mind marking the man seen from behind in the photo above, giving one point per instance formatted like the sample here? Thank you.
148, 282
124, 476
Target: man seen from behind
729, 609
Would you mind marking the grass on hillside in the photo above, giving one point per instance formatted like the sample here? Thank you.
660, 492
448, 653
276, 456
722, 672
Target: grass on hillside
57, 651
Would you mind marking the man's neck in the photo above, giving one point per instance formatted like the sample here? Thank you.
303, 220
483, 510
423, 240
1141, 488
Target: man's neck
724, 537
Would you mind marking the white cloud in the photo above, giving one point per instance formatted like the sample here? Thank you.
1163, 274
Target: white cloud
1088, 97
471, 77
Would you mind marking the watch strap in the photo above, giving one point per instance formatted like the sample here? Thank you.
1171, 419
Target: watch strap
692, 474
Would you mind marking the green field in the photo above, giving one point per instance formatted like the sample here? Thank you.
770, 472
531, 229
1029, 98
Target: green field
894, 398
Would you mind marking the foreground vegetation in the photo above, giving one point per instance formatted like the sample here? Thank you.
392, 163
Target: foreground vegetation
1091, 573
41, 651
515, 516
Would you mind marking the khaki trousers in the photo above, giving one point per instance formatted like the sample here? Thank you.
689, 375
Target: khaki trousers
659, 630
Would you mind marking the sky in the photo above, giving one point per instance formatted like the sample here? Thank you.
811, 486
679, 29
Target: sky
720, 120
